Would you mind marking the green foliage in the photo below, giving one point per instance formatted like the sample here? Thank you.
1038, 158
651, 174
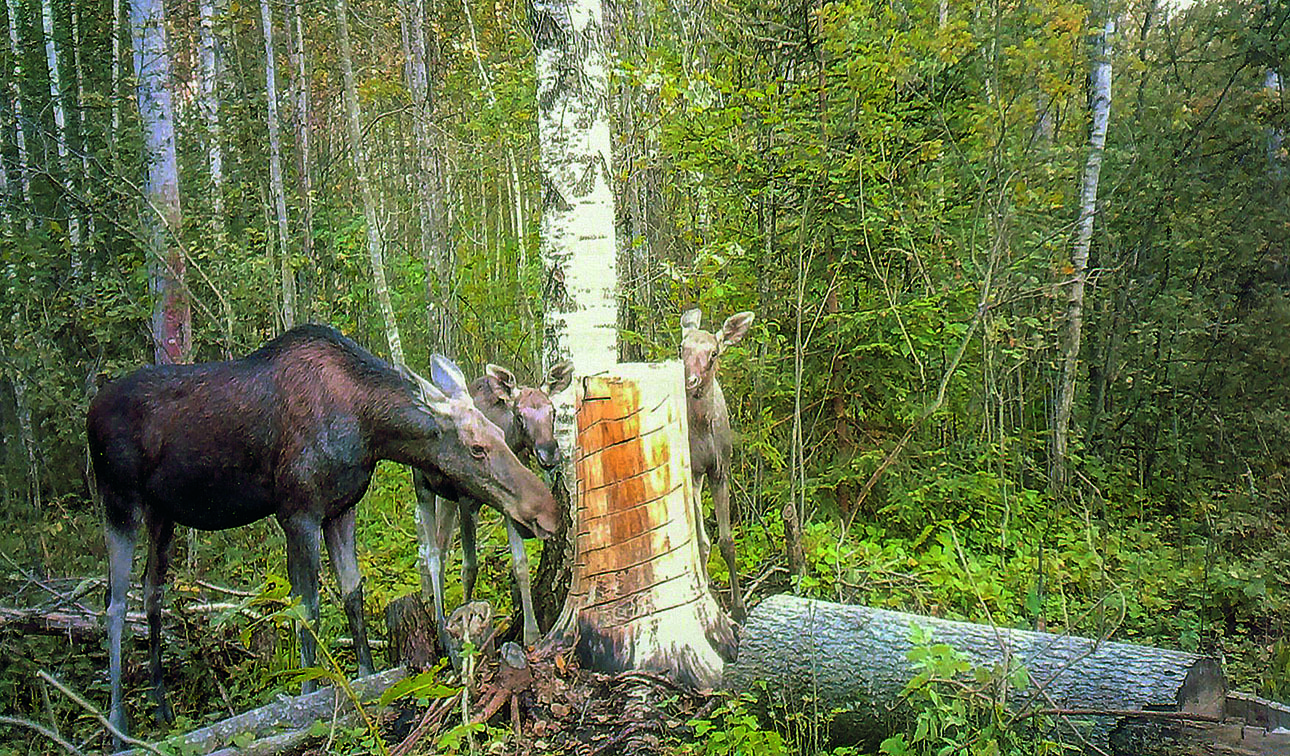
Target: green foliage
733, 730
889, 189
955, 708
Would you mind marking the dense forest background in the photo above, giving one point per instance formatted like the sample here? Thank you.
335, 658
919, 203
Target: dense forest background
895, 187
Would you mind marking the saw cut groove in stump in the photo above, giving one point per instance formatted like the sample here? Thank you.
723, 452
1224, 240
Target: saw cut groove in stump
639, 597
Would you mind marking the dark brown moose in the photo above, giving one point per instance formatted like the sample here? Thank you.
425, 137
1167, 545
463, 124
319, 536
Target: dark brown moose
527, 419
711, 439
293, 430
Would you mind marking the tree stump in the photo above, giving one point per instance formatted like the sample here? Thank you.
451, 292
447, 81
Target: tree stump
638, 596
852, 660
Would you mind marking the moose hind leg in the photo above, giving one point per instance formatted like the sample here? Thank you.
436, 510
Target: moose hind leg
344, 561
161, 534
120, 537
302, 570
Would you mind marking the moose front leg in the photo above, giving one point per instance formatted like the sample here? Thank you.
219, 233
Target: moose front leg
705, 546
520, 563
726, 542
339, 532
302, 570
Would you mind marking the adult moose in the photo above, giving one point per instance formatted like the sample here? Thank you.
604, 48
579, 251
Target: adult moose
711, 439
527, 419
293, 430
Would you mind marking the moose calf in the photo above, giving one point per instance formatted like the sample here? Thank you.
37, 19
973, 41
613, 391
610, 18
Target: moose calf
526, 417
710, 436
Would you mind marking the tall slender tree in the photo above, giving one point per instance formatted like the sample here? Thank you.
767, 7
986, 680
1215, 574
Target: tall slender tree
1077, 276
275, 168
366, 190
172, 329
20, 127
308, 277
209, 105
441, 318
57, 87
579, 246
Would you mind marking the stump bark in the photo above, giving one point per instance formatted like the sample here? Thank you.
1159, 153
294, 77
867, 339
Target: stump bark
638, 596
852, 661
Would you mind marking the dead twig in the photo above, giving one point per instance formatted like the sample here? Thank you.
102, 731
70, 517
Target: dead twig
107, 724
43, 730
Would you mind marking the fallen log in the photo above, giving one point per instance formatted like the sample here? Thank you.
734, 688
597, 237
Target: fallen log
852, 662
83, 626
285, 720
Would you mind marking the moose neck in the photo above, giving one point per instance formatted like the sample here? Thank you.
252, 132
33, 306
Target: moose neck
707, 406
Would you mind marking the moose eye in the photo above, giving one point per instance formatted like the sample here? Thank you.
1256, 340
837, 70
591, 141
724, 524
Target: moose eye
478, 451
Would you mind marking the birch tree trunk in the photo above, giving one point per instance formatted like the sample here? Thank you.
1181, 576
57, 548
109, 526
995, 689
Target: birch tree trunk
208, 103
78, 72
56, 88
1276, 139
275, 169
161, 217
115, 94
307, 278
15, 91
361, 175
441, 319
1100, 89
578, 239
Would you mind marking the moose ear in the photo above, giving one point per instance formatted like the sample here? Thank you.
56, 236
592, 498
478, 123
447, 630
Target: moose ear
691, 319
734, 329
505, 379
558, 377
430, 394
447, 376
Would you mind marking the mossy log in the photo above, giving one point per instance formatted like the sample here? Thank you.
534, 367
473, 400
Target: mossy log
851, 663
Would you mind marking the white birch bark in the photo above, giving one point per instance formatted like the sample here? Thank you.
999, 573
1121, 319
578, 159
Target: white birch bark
1100, 88
209, 105
440, 271
361, 176
275, 168
116, 71
304, 167
20, 131
1276, 139
578, 240
78, 71
579, 245
162, 215
56, 88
